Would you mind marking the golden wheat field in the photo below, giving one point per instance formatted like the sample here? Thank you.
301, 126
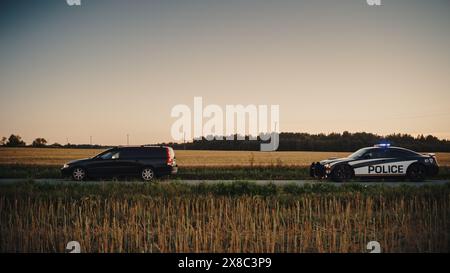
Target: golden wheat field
58, 156
206, 223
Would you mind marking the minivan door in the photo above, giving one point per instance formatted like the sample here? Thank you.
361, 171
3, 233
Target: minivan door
104, 165
128, 162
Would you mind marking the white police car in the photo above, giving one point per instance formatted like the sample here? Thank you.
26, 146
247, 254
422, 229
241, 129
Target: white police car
382, 160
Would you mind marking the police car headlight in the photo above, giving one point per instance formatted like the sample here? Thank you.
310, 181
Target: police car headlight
66, 166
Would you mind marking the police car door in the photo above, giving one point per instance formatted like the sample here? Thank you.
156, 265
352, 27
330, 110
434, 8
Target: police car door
399, 162
389, 166
371, 163
386, 163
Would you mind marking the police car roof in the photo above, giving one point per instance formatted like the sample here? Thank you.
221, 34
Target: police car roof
393, 148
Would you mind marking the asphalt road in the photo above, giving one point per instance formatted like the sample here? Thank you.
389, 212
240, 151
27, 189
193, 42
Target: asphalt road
262, 182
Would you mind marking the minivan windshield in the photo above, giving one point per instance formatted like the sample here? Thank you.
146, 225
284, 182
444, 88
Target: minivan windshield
106, 154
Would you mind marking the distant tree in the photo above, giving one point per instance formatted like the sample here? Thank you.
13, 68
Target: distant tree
3, 141
15, 141
39, 142
56, 145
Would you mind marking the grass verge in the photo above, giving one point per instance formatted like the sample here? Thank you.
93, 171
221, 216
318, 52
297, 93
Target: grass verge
228, 217
272, 172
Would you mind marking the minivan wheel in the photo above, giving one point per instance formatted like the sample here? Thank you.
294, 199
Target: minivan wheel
78, 174
147, 174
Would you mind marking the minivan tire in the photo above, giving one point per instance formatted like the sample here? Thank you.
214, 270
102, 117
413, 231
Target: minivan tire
147, 174
79, 174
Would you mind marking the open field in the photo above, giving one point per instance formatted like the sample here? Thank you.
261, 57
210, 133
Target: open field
58, 156
194, 172
243, 165
236, 217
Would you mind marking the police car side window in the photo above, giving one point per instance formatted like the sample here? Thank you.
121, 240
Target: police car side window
383, 153
392, 154
400, 153
367, 155
372, 153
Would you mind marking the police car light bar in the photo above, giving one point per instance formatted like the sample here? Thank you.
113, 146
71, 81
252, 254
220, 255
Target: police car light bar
383, 145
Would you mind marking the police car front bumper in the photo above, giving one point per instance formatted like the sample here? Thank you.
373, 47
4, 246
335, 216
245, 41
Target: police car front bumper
318, 170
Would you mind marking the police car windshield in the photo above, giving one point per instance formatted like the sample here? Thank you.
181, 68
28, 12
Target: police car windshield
358, 153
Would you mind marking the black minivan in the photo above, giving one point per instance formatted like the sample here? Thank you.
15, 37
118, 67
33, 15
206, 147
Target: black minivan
145, 162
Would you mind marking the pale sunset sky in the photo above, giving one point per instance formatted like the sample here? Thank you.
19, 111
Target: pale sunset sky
110, 68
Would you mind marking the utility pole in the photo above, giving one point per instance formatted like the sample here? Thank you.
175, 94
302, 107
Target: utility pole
128, 140
90, 140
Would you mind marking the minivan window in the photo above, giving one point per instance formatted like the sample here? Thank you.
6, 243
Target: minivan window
157, 152
115, 156
144, 152
107, 155
128, 153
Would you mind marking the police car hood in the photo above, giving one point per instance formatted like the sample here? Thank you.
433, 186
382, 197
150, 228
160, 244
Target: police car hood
335, 160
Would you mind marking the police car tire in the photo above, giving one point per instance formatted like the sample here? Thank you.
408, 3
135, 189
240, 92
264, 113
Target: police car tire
342, 173
416, 172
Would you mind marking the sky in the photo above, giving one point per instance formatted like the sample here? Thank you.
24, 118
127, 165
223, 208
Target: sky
106, 69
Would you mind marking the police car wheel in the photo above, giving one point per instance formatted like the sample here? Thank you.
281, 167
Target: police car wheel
342, 173
416, 172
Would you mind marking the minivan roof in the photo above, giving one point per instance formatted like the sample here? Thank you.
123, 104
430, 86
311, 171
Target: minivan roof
142, 146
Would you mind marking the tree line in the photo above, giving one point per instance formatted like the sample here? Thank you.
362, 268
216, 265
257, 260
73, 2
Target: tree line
17, 141
336, 142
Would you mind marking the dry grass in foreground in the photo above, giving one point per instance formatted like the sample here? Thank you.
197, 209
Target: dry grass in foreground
414, 221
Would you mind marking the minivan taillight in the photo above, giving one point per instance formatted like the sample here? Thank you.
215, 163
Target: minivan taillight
169, 157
